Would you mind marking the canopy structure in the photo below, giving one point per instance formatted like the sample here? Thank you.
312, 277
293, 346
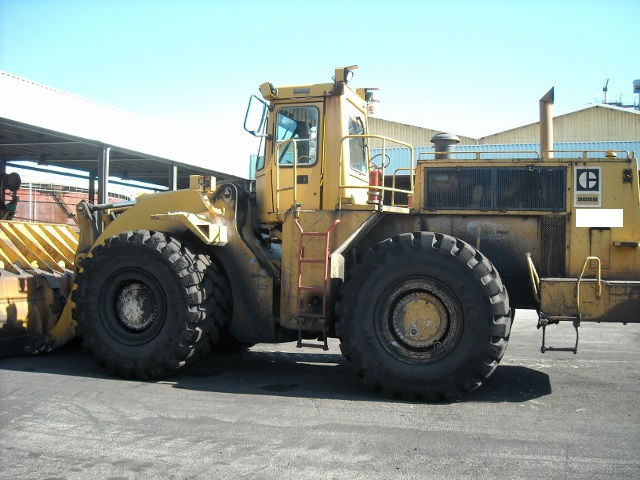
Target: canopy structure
55, 129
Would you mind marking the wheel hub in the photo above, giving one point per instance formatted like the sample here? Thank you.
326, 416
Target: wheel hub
419, 319
136, 306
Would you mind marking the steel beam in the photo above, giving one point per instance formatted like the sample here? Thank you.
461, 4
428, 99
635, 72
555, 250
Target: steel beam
173, 177
157, 188
92, 187
38, 144
103, 174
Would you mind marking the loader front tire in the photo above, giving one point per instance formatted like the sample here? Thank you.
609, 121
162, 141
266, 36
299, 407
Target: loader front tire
218, 287
141, 304
423, 316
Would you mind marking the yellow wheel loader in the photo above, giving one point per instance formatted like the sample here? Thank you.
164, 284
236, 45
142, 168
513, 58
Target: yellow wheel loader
417, 268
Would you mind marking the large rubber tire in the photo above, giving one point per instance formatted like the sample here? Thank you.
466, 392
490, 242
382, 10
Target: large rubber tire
428, 272
142, 305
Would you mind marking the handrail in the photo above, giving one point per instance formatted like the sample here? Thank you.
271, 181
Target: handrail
535, 279
584, 154
393, 183
279, 144
381, 188
598, 278
478, 154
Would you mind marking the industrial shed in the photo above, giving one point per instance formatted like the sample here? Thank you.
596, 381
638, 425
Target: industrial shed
597, 128
411, 134
596, 123
46, 130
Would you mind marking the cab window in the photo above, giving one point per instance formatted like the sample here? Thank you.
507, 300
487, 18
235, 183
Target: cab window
357, 146
300, 125
258, 162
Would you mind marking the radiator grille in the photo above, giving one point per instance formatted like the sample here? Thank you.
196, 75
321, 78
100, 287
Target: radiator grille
552, 246
501, 188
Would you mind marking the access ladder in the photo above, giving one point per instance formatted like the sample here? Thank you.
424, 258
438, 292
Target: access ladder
302, 260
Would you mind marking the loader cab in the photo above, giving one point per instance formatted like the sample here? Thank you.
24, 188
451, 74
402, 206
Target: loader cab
304, 156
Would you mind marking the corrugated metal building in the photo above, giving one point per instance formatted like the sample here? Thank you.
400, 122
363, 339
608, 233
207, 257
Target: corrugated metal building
590, 124
597, 128
596, 123
411, 134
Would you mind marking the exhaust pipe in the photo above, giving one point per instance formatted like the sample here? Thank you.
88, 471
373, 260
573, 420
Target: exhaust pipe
546, 126
443, 144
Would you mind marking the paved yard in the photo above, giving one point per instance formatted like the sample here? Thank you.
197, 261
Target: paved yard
280, 412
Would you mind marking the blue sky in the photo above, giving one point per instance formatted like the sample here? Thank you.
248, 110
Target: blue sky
466, 67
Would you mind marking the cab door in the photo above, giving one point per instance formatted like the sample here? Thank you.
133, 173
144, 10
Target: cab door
295, 170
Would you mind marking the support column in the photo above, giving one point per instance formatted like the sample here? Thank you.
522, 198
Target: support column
173, 177
3, 170
103, 174
92, 186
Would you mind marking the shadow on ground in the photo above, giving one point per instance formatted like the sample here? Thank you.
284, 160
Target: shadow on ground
309, 375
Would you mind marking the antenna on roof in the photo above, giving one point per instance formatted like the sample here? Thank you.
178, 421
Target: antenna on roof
605, 90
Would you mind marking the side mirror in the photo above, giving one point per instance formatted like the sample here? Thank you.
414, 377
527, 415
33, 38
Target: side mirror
255, 117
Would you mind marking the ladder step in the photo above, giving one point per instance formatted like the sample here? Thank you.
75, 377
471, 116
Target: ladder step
310, 315
313, 289
559, 349
312, 345
314, 234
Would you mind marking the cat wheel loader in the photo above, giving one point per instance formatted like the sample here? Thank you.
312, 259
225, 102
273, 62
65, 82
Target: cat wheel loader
416, 269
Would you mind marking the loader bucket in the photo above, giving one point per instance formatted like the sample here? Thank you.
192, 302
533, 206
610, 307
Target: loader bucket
36, 277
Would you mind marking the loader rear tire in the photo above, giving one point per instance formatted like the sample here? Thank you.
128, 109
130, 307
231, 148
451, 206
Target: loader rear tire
141, 304
423, 316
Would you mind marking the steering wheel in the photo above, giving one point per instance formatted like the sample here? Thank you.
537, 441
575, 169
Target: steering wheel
385, 164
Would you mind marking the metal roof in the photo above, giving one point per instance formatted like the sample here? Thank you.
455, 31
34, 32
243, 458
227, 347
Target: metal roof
598, 109
54, 128
21, 142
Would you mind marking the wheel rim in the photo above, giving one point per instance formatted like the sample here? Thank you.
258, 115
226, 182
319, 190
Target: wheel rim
136, 306
132, 306
418, 320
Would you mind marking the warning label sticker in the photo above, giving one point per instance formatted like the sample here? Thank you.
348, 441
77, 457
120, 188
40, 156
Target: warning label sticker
588, 187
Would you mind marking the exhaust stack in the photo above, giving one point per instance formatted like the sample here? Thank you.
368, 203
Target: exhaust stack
546, 126
443, 144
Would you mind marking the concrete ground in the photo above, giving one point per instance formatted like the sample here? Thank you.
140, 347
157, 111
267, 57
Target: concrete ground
280, 412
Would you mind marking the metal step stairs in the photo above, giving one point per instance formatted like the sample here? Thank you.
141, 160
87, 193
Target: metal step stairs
301, 315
